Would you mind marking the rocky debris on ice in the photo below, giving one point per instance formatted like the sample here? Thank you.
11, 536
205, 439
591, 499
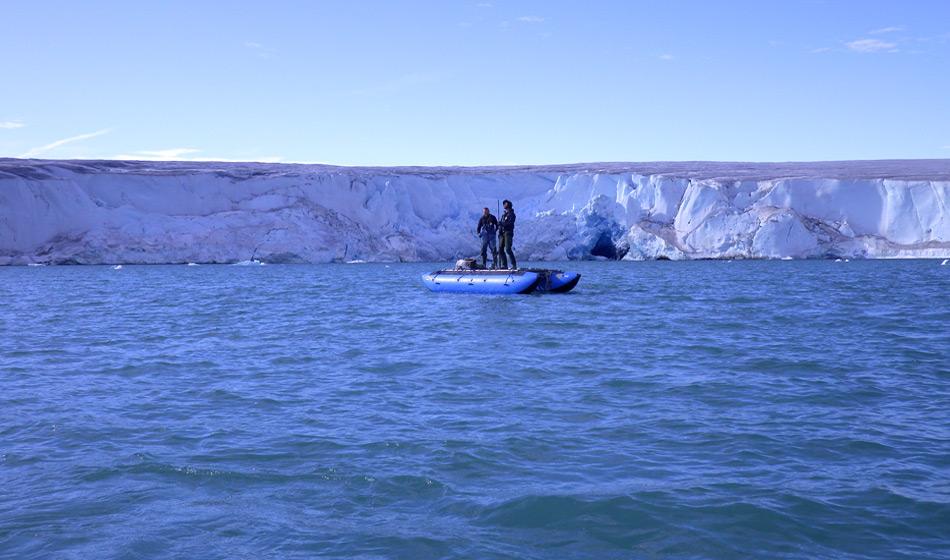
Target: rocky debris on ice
180, 212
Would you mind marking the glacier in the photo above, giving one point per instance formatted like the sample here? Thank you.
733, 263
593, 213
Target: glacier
96, 212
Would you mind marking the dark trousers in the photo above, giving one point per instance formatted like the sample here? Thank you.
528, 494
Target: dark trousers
504, 251
488, 242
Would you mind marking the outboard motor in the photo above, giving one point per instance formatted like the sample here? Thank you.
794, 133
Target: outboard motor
466, 264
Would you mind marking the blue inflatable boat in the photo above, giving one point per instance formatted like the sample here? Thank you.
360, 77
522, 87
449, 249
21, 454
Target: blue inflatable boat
486, 281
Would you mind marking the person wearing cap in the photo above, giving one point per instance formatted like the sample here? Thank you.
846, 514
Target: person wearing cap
506, 231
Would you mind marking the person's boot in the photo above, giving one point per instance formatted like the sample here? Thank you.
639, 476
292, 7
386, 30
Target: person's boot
514, 265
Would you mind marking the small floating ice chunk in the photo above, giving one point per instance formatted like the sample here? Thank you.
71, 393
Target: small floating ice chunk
117, 267
192, 264
787, 258
356, 261
945, 261
252, 262
41, 264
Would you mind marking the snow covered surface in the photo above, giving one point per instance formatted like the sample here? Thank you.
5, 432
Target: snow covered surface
181, 212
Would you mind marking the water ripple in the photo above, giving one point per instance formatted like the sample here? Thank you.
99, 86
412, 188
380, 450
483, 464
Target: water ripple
662, 410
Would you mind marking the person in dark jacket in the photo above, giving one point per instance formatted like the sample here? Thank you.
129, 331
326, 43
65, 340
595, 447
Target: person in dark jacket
506, 231
487, 228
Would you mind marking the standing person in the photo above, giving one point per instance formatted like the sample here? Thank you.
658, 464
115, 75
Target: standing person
506, 232
487, 227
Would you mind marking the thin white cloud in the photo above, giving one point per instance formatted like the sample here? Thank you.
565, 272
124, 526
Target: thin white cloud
934, 39
947, 147
666, 56
261, 50
484, 5
158, 155
263, 159
891, 29
183, 154
821, 50
402, 83
9, 125
871, 46
531, 19
53, 145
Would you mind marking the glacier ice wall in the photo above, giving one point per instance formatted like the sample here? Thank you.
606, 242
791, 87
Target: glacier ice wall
175, 212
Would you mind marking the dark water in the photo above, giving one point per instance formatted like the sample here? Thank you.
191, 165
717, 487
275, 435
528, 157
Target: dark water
662, 410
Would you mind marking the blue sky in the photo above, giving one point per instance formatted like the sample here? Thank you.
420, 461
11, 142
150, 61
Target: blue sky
475, 82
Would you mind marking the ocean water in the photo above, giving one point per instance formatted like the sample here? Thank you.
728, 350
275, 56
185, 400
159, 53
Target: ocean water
661, 410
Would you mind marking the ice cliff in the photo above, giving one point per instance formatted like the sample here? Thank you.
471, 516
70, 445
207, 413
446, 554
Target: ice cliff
176, 212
